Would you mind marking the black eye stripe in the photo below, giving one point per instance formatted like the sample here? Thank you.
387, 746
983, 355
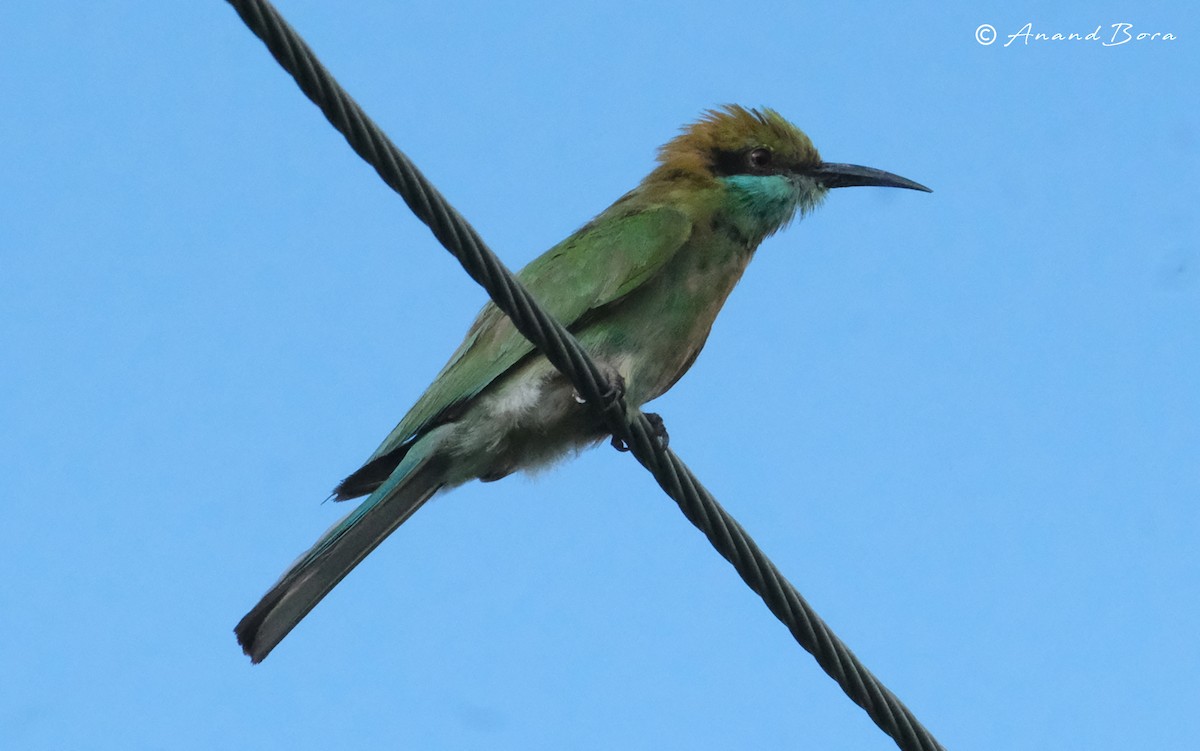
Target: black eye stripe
744, 162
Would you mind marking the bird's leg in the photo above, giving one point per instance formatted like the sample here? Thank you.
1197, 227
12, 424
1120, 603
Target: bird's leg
616, 386
616, 392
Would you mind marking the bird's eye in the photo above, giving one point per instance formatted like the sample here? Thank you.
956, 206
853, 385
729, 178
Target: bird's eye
760, 158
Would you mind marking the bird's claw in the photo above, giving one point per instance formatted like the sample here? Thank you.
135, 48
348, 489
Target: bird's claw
656, 425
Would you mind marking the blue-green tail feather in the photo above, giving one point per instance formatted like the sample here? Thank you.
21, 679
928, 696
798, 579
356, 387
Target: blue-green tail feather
414, 481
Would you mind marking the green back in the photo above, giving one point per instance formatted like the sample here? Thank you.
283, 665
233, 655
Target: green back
601, 263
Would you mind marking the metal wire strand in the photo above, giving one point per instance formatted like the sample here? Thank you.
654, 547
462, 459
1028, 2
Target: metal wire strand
565, 353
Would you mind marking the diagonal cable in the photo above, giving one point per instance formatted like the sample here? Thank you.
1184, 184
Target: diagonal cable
564, 352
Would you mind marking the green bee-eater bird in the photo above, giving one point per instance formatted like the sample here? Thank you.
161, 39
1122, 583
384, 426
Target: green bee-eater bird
639, 285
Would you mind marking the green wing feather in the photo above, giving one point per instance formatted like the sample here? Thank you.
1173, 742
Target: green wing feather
602, 262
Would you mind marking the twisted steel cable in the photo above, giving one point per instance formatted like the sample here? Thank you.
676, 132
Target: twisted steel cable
557, 344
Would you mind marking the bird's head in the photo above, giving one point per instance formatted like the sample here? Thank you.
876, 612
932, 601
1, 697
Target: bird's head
768, 168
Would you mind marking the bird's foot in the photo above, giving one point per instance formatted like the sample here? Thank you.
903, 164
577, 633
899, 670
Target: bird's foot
656, 425
660, 430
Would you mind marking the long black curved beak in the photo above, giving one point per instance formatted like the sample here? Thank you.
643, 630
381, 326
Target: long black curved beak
834, 175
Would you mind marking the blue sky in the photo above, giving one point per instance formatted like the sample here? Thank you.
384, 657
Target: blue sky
966, 425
